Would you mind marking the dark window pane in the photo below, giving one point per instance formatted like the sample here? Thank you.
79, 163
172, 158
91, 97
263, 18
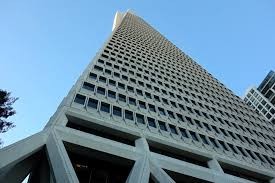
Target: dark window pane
171, 115
132, 101
111, 94
129, 115
152, 108
151, 122
173, 129
214, 142
112, 82
105, 107
117, 111
183, 132
162, 126
101, 90
203, 138
161, 111
139, 92
80, 99
193, 135
102, 79
88, 86
93, 76
92, 103
122, 98
142, 104
140, 118
121, 86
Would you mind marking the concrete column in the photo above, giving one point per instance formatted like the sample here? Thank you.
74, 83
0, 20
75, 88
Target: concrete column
140, 172
214, 165
60, 161
19, 172
159, 174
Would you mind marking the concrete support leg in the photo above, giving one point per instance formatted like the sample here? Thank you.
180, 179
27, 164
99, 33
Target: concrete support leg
19, 172
140, 171
15, 153
60, 161
159, 174
214, 165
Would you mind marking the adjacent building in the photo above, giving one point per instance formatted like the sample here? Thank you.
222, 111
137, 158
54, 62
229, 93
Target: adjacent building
144, 111
262, 99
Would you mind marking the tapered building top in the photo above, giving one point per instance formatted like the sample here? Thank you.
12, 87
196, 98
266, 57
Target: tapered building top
144, 111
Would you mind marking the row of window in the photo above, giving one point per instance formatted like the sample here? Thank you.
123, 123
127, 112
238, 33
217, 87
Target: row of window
170, 87
172, 129
167, 102
196, 74
177, 117
117, 42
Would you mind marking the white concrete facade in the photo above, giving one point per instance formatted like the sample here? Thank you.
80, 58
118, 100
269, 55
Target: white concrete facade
144, 101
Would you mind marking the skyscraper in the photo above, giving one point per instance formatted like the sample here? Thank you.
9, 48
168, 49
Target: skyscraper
262, 99
144, 111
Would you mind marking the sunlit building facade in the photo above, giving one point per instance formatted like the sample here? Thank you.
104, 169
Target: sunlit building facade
144, 111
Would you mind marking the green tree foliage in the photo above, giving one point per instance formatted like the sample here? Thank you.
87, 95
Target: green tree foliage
6, 110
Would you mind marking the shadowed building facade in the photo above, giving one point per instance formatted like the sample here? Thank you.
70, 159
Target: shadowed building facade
144, 111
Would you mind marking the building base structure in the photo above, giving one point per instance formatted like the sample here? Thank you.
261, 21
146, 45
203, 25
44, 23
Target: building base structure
91, 141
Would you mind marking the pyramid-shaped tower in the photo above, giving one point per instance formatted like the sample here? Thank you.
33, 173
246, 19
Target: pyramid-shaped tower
144, 111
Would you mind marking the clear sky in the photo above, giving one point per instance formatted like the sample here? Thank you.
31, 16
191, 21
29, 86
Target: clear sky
45, 45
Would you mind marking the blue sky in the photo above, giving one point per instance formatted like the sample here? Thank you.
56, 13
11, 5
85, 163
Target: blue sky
45, 45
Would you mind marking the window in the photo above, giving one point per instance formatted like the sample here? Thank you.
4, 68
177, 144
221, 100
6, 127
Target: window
116, 74
162, 126
203, 138
121, 97
151, 122
124, 77
111, 94
92, 103
223, 145
173, 129
171, 115
183, 132
148, 95
173, 104
152, 108
139, 92
161, 111
102, 79
121, 85
194, 136
165, 101
180, 117
98, 68
233, 149
117, 111
88, 86
132, 101
112, 82
157, 98
101, 90
80, 99
129, 115
107, 71
105, 107
93, 76
130, 89
140, 118
213, 142
142, 104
